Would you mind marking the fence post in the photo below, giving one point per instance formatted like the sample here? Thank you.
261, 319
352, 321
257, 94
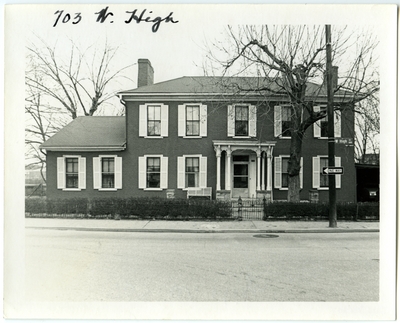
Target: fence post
240, 204
264, 207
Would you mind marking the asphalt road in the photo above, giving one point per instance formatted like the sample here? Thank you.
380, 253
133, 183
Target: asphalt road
116, 266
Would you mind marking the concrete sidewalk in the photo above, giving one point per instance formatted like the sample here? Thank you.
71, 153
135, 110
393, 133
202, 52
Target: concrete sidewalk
245, 226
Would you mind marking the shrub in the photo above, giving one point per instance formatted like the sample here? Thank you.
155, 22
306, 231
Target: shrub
128, 208
320, 211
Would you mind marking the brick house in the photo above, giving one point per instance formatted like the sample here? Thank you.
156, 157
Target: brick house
196, 136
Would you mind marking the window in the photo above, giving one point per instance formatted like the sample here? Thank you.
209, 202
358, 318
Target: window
321, 180
281, 172
153, 172
192, 171
321, 126
153, 120
192, 120
283, 121
286, 120
242, 120
107, 173
71, 173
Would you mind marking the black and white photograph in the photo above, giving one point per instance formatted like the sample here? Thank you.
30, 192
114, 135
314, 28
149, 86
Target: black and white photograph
208, 162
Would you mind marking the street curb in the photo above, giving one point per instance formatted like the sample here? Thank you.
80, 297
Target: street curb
330, 230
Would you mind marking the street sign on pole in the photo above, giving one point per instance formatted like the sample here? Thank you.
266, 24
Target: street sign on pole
332, 170
344, 141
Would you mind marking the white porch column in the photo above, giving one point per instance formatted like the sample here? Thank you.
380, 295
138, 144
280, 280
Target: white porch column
228, 169
218, 154
263, 172
269, 169
258, 169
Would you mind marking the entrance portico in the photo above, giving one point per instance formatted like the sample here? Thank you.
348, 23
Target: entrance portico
247, 169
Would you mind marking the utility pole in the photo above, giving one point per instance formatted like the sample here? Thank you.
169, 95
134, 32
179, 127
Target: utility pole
331, 130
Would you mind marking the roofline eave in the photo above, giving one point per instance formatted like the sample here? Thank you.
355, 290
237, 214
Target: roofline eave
85, 149
162, 96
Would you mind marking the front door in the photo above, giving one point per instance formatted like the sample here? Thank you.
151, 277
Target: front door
240, 176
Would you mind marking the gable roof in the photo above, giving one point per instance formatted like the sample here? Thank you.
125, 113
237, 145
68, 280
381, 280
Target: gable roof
89, 134
222, 85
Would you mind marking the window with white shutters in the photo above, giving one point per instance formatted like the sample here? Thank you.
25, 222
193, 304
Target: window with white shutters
153, 120
71, 173
107, 173
242, 120
320, 180
321, 126
281, 172
192, 171
192, 120
153, 172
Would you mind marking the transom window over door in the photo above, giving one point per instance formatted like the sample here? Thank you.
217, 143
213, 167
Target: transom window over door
192, 120
154, 120
72, 173
241, 120
192, 172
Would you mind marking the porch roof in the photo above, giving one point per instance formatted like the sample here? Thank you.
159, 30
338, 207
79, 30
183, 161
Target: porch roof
234, 145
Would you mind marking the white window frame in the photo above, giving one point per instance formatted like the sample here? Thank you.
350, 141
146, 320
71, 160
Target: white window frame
142, 168
278, 121
181, 166
316, 172
278, 172
62, 173
143, 120
97, 173
337, 123
252, 120
182, 120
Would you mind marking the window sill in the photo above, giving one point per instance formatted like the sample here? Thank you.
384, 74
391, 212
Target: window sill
107, 189
73, 189
242, 137
280, 137
153, 189
192, 137
153, 137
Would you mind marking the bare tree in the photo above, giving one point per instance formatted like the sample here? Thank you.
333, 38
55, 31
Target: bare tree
288, 59
77, 81
42, 122
64, 83
367, 134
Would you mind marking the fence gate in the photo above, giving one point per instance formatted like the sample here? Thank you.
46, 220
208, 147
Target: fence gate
248, 209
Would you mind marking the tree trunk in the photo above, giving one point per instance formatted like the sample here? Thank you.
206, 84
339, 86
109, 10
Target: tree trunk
294, 163
294, 167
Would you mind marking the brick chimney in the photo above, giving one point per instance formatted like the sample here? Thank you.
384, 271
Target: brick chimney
145, 72
335, 77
